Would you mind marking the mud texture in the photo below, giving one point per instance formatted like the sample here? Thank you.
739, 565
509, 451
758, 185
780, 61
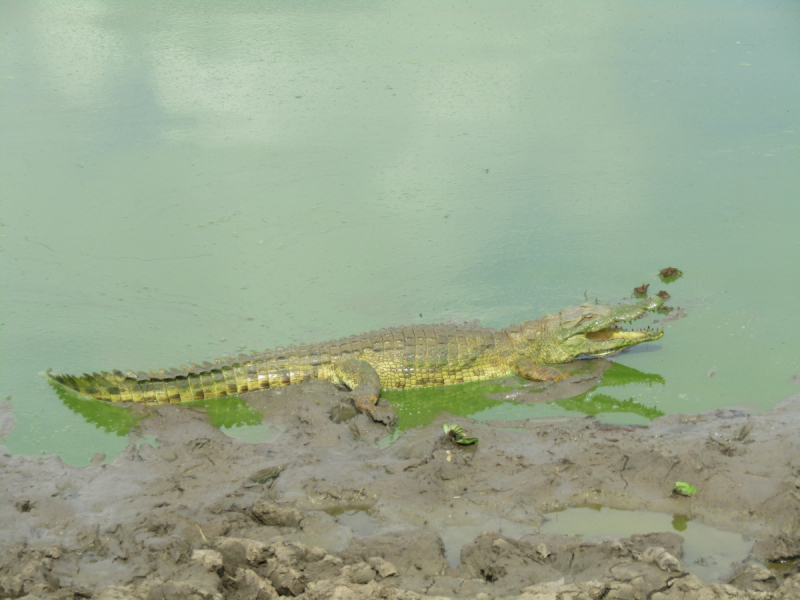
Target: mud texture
324, 512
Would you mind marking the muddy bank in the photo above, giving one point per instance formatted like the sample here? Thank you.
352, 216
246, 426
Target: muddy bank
321, 511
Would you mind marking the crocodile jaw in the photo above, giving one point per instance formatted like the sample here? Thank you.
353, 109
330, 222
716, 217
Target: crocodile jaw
612, 340
594, 331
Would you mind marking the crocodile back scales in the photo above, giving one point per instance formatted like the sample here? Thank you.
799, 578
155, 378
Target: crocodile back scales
404, 357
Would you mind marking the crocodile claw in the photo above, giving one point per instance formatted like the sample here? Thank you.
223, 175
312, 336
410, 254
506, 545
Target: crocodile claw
382, 413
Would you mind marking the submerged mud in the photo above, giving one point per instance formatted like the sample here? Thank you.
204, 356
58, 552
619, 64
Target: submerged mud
325, 511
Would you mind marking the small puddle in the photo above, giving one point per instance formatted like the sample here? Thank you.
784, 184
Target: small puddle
707, 552
359, 522
138, 440
351, 522
237, 419
456, 536
783, 567
253, 434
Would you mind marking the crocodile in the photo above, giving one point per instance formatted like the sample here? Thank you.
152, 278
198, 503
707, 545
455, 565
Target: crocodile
397, 358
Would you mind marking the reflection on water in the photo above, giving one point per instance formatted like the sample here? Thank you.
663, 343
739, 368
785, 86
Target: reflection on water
118, 420
229, 412
419, 407
415, 408
597, 404
619, 375
232, 415
237, 419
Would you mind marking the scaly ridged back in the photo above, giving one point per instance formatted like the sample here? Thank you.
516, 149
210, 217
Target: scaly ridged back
404, 357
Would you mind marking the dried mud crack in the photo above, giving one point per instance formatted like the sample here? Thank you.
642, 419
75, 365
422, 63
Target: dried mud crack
323, 512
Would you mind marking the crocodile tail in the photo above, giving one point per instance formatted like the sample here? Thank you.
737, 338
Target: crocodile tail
162, 387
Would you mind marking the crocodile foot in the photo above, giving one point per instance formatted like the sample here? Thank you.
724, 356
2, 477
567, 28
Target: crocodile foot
381, 412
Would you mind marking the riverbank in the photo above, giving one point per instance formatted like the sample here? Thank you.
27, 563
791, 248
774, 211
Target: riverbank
323, 511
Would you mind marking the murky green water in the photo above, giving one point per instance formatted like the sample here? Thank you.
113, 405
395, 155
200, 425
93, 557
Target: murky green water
185, 180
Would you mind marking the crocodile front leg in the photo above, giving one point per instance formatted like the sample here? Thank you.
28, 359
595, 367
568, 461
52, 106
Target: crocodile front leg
530, 370
365, 388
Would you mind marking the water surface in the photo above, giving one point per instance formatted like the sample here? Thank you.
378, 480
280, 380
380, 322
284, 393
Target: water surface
185, 180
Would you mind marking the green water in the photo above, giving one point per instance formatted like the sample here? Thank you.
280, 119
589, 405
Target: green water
180, 181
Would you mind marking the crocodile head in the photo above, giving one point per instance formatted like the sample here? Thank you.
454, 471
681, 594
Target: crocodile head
587, 330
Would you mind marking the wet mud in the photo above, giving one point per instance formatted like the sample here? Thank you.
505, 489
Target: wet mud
328, 509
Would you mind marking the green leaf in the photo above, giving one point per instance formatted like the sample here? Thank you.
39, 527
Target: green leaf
465, 441
457, 430
684, 489
458, 435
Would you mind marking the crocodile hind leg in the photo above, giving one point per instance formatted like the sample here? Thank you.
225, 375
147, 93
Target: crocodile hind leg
365, 388
530, 370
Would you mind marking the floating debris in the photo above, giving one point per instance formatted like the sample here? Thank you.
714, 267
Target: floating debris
669, 274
